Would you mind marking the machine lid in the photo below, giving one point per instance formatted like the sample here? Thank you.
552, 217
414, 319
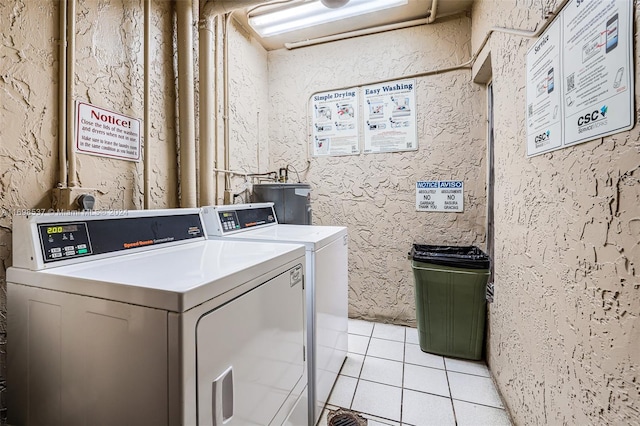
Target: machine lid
174, 278
313, 237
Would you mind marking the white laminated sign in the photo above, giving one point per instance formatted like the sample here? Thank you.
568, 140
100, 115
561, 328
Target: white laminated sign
440, 196
580, 76
106, 133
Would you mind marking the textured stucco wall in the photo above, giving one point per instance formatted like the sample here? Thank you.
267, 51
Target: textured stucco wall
28, 129
374, 195
109, 73
564, 329
248, 107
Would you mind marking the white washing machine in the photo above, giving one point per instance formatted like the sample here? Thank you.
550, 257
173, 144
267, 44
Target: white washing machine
140, 320
326, 284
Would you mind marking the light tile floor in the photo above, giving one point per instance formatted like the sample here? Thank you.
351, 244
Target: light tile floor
390, 381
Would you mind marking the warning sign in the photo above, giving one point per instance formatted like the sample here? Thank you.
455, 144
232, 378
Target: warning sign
106, 133
440, 196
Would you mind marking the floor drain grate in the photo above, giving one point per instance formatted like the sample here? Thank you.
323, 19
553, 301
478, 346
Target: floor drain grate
345, 418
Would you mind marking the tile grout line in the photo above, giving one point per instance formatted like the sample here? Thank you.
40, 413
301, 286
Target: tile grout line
479, 404
469, 374
404, 356
453, 408
359, 379
353, 397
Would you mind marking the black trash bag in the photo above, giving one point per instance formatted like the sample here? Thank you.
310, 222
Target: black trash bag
468, 257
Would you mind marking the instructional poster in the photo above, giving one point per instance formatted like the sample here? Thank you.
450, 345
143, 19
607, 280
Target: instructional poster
544, 117
597, 69
335, 123
390, 117
106, 133
580, 76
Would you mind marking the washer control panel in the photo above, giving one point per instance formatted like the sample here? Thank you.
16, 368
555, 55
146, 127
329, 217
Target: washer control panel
229, 221
225, 220
247, 218
65, 240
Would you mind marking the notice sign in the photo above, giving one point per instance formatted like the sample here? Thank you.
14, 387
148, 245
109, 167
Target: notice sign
390, 117
440, 196
335, 123
106, 133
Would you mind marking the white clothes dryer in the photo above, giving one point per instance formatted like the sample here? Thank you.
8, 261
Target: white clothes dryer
139, 319
326, 285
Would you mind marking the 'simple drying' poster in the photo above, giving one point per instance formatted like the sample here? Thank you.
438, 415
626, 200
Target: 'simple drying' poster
334, 118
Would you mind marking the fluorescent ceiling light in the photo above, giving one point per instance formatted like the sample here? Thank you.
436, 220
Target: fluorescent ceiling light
312, 13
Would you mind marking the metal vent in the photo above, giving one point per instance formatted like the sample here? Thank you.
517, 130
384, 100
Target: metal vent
345, 418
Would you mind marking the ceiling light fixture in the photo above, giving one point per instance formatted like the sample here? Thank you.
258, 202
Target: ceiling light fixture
313, 13
334, 4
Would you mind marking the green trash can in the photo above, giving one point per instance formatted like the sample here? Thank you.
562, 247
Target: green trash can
450, 291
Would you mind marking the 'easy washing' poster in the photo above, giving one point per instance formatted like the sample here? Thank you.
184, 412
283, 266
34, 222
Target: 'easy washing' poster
390, 117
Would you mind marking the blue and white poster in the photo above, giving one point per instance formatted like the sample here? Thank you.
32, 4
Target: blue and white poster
440, 196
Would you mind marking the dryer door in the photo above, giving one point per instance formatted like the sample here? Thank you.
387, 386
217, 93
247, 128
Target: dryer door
250, 355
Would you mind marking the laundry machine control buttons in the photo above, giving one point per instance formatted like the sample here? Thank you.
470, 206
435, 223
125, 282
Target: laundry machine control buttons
108, 235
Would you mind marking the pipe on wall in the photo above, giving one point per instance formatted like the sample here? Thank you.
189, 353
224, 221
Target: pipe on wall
356, 33
186, 103
226, 109
62, 96
519, 32
433, 12
147, 104
70, 78
216, 129
220, 7
207, 111
368, 31
209, 115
